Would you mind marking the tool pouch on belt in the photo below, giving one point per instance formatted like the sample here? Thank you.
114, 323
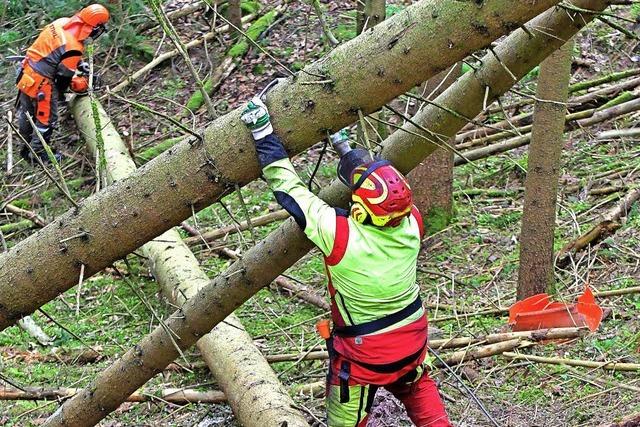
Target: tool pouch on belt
29, 82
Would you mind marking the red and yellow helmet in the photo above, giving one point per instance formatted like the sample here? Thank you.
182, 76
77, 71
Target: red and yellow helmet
378, 190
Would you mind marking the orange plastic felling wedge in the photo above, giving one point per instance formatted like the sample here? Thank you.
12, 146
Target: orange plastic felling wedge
539, 312
324, 328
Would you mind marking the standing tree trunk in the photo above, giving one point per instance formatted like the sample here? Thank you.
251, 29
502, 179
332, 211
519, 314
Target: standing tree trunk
234, 15
364, 74
432, 180
283, 247
541, 186
251, 387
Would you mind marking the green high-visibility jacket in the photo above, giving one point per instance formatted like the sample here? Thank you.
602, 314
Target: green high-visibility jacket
371, 270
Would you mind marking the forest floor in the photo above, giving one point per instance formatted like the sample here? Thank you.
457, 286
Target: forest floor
470, 265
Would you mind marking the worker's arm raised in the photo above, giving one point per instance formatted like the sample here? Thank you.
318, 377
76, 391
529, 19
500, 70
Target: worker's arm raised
313, 215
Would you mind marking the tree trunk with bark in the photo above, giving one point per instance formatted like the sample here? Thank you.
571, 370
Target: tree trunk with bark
234, 15
363, 74
535, 274
432, 180
251, 387
283, 247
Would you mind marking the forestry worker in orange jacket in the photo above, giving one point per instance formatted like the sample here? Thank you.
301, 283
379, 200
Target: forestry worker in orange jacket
49, 69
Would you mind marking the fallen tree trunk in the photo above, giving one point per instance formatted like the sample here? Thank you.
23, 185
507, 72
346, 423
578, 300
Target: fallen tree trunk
523, 130
477, 353
580, 103
609, 224
210, 236
179, 13
572, 121
607, 366
362, 74
576, 87
170, 395
538, 335
593, 99
617, 292
619, 133
13, 227
170, 54
442, 344
614, 111
233, 57
254, 392
283, 247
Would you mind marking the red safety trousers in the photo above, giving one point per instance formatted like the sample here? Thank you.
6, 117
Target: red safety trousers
393, 360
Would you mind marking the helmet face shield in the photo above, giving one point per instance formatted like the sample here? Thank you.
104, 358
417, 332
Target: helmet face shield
349, 162
97, 31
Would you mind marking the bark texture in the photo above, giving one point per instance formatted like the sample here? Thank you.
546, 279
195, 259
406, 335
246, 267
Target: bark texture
363, 74
283, 247
432, 180
251, 387
541, 185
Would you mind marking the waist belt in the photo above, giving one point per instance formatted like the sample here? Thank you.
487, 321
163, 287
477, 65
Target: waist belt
378, 324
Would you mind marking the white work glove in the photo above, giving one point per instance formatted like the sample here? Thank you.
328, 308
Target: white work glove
256, 117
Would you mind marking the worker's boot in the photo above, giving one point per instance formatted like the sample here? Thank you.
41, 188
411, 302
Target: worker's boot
26, 154
38, 148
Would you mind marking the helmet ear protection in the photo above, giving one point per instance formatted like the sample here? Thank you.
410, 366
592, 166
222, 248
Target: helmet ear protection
358, 213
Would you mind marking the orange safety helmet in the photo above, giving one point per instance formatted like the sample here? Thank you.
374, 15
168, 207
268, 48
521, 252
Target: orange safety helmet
379, 192
94, 15
93, 19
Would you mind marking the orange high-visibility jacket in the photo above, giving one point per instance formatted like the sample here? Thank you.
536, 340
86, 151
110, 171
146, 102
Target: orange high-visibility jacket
55, 51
